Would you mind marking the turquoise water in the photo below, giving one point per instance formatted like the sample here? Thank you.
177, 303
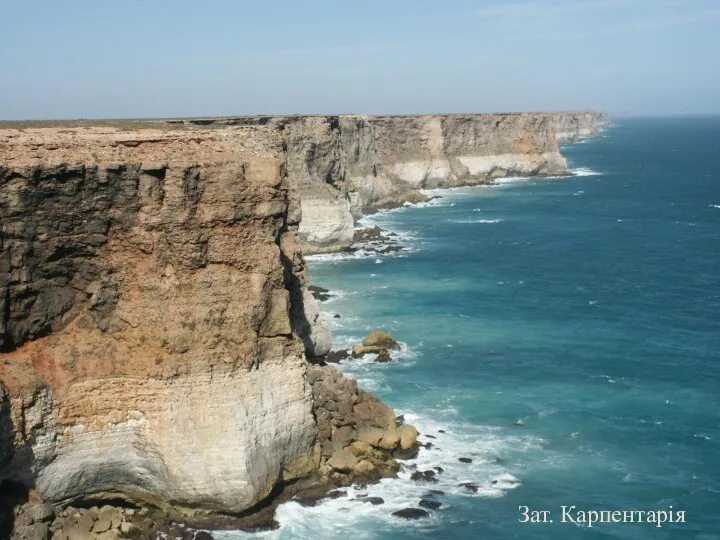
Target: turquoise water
564, 333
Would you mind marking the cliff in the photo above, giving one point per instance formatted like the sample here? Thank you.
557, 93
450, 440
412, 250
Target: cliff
345, 166
573, 126
156, 322
156, 315
149, 316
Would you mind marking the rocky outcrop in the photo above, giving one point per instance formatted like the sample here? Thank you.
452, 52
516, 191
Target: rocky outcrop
154, 312
377, 342
573, 126
358, 435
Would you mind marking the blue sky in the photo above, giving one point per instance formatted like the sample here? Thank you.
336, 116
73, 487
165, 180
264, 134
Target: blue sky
99, 59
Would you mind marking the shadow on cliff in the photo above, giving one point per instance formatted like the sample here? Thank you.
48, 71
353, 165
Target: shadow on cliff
13, 491
298, 319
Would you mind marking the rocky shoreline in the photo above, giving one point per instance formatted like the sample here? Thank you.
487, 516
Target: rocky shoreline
163, 365
359, 441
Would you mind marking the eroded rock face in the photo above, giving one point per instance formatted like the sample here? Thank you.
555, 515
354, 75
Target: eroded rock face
573, 126
345, 166
156, 313
152, 338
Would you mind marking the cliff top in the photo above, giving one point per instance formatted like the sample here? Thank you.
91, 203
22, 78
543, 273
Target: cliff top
246, 120
120, 141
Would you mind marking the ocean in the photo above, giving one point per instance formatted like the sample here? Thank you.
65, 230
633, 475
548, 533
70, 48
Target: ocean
563, 334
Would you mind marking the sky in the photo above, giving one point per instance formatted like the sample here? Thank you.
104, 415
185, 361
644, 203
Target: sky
177, 58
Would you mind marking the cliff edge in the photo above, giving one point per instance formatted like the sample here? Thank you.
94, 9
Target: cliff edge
156, 324
347, 165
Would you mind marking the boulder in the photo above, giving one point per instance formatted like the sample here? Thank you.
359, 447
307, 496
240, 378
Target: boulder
408, 436
342, 437
85, 521
343, 461
469, 486
376, 343
382, 340
424, 477
411, 513
390, 440
383, 357
370, 435
111, 514
361, 449
374, 500
102, 525
364, 467
334, 357
432, 505
465, 460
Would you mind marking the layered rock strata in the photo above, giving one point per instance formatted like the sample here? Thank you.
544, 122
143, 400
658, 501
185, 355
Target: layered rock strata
345, 166
156, 312
573, 126
156, 318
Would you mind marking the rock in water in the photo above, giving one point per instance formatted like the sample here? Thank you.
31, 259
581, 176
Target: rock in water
432, 505
408, 436
381, 339
411, 513
424, 477
334, 357
379, 343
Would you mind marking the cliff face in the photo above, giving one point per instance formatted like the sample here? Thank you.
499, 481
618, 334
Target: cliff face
573, 126
156, 317
154, 313
345, 166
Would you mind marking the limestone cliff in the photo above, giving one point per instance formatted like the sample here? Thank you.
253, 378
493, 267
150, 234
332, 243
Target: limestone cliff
154, 313
347, 165
156, 318
573, 126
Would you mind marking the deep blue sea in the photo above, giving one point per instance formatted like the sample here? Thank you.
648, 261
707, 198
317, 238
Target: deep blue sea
564, 333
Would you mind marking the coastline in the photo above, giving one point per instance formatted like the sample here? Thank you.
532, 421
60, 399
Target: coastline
404, 491
118, 149
339, 320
